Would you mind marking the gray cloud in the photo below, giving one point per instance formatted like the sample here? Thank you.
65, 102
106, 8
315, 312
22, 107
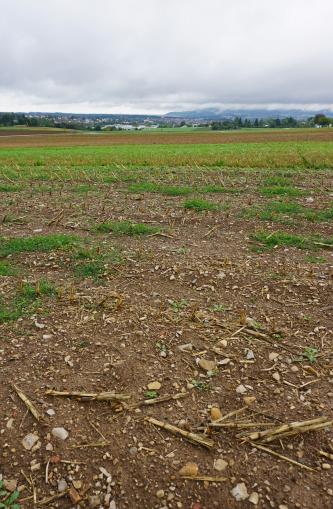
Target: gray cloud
157, 55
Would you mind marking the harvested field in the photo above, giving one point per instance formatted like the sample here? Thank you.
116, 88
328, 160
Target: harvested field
41, 138
158, 292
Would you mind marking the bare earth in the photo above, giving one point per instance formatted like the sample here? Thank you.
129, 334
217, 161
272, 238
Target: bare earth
40, 138
201, 285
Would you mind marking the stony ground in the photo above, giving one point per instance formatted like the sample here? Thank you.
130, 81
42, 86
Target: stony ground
197, 313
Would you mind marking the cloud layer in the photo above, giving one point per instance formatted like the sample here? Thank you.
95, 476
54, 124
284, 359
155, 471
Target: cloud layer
157, 56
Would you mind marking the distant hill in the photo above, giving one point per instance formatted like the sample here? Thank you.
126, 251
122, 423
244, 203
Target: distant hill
217, 114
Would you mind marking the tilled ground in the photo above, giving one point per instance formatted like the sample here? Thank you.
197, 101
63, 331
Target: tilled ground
199, 292
40, 138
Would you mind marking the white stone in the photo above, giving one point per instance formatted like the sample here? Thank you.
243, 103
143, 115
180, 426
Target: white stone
60, 433
220, 464
29, 441
254, 498
239, 492
62, 485
241, 389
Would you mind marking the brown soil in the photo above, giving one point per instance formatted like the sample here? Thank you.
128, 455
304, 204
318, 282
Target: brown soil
109, 335
38, 139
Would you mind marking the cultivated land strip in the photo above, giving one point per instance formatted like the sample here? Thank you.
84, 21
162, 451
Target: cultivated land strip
165, 329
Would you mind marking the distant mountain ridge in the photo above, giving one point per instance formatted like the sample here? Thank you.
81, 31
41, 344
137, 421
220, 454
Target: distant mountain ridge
217, 114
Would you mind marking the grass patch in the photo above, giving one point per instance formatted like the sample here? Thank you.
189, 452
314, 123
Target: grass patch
150, 187
42, 243
315, 259
94, 264
200, 205
126, 228
7, 270
282, 239
318, 216
27, 299
82, 188
281, 191
277, 181
279, 211
212, 188
9, 188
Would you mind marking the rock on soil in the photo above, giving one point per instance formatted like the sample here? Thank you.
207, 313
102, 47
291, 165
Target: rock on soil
239, 492
60, 433
29, 441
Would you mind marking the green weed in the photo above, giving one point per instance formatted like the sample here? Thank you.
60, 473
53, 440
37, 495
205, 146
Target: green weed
200, 385
310, 354
178, 305
7, 499
151, 394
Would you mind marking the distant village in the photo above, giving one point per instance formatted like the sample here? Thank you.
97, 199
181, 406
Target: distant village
118, 122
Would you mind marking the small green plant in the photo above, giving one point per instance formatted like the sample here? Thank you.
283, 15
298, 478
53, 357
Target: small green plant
200, 385
178, 305
161, 347
201, 205
83, 344
126, 228
181, 250
7, 499
310, 354
151, 394
218, 308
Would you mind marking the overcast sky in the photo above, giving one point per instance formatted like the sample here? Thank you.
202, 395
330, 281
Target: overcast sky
164, 55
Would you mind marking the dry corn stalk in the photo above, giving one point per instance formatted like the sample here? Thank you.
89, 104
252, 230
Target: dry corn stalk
101, 443
28, 404
206, 478
87, 396
326, 454
285, 430
192, 437
262, 448
239, 425
230, 414
155, 401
